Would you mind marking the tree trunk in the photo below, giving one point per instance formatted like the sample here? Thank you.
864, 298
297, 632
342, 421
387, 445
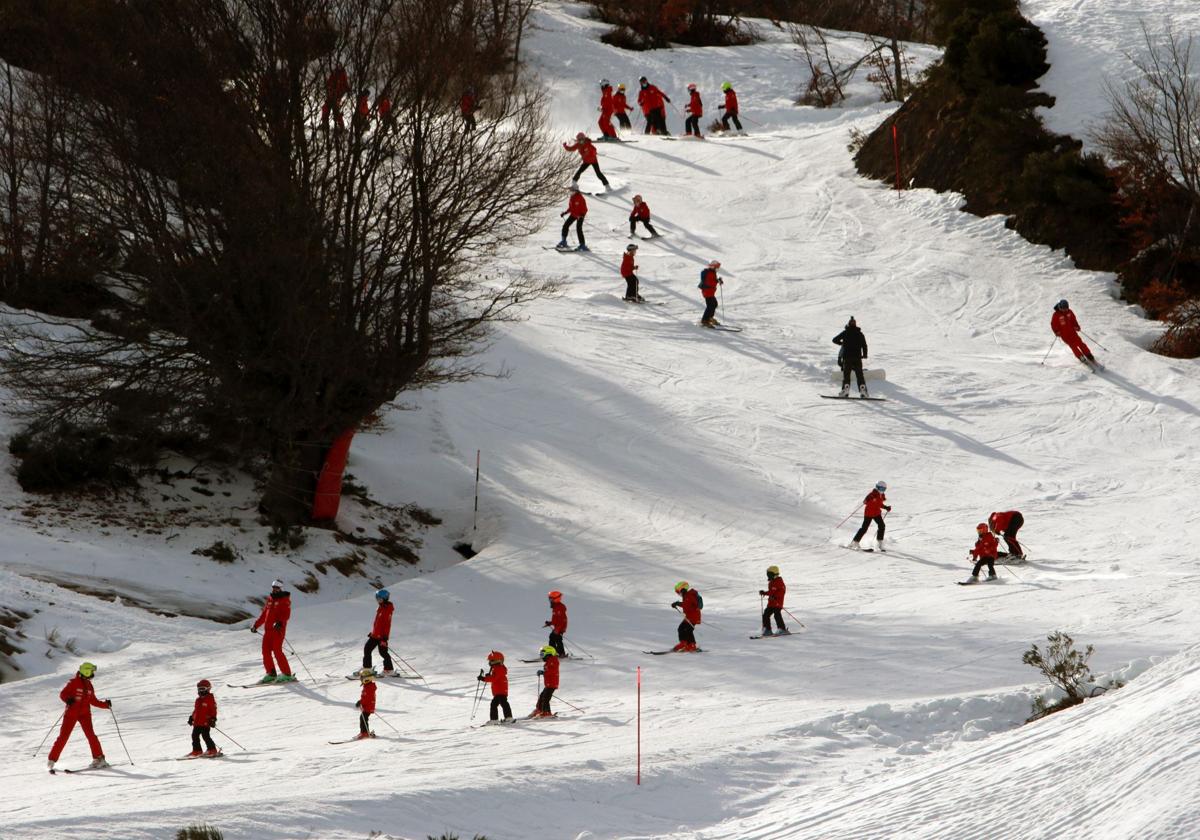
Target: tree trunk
897, 63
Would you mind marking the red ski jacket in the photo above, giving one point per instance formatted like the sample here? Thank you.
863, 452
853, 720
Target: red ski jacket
731, 105
1001, 521
366, 700
277, 610
619, 103
467, 104
80, 696
586, 149
640, 211
550, 666
691, 606
606, 102
709, 282
627, 266
205, 712
1064, 324
558, 617
986, 546
577, 206
776, 589
695, 107
363, 106
338, 84
497, 676
650, 98
873, 504
383, 107
382, 627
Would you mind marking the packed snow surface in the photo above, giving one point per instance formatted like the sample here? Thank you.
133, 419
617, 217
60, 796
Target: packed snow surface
629, 449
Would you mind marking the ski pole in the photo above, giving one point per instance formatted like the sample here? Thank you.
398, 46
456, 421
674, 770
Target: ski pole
385, 723
478, 694
230, 737
1011, 572
1094, 341
292, 651
847, 519
798, 621
1053, 341
572, 705
578, 648
411, 668
119, 736
48, 731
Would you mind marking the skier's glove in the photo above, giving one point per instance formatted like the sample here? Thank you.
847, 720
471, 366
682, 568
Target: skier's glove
254, 630
480, 677
762, 592
888, 508
677, 604
191, 721
546, 624
720, 107
358, 704
107, 703
213, 722
278, 625
70, 700
541, 673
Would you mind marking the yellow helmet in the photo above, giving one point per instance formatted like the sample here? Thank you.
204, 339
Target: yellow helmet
367, 675
547, 650
682, 585
87, 669
772, 570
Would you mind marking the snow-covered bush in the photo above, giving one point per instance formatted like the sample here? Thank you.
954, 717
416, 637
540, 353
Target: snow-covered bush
1065, 667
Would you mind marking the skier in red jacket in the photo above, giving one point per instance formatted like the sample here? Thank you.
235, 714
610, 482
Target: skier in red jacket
651, 99
336, 87
467, 104
497, 678
1007, 523
557, 622
576, 209
79, 696
202, 719
549, 673
380, 630
730, 108
1066, 327
874, 505
775, 591
628, 269
606, 111
365, 703
691, 603
621, 107
696, 110
274, 618
587, 153
708, 288
641, 213
984, 551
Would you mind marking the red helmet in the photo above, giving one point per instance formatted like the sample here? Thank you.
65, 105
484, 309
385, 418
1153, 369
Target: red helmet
495, 657
555, 595
204, 685
581, 136
982, 528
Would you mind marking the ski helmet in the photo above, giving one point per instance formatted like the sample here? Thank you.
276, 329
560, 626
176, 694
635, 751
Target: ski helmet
773, 570
881, 486
714, 264
621, 86
630, 248
204, 686
574, 187
1062, 304
87, 669
726, 86
981, 528
367, 675
691, 86
682, 586
851, 322
383, 595
642, 79
277, 584
637, 199
581, 136
605, 83
547, 650
554, 595
495, 658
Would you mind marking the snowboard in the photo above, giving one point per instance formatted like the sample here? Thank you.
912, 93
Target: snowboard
853, 399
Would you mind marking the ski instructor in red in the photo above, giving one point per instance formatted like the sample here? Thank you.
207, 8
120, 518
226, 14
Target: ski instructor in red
1066, 327
79, 696
691, 603
274, 617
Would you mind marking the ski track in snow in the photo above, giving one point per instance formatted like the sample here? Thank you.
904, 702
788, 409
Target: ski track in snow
630, 449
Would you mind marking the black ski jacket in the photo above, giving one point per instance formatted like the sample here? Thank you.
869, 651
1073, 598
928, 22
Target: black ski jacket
853, 342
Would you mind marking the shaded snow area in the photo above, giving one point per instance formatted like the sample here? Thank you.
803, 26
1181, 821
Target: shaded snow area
630, 449
1090, 42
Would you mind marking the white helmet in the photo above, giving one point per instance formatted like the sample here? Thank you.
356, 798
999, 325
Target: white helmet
605, 83
881, 486
691, 86
277, 584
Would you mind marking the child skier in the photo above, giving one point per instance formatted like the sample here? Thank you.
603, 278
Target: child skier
695, 108
365, 703
202, 719
497, 678
606, 110
708, 288
775, 591
557, 622
380, 630
576, 209
874, 505
1007, 523
467, 105
79, 697
984, 551
336, 87
692, 604
730, 108
850, 357
1066, 326
549, 675
641, 213
621, 107
631, 279
587, 153
275, 614
651, 99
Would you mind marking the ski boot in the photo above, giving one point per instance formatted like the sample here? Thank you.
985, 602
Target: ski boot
50, 765
862, 391
583, 248
98, 762
845, 392
689, 647
562, 245
268, 678
767, 631
195, 754
854, 546
879, 546
285, 678
389, 672
783, 632
363, 736
707, 322
992, 576
213, 753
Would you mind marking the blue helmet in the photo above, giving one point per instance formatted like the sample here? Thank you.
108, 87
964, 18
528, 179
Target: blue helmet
1062, 304
383, 594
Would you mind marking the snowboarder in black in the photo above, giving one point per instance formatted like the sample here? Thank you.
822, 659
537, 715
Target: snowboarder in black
850, 358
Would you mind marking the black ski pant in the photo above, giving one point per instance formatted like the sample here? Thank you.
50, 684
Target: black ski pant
382, 644
500, 701
633, 220
656, 122
692, 125
363, 717
578, 228
1010, 534
199, 732
856, 366
687, 633
990, 562
556, 642
623, 120
867, 520
777, 612
543, 702
468, 123
710, 308
595, 166
731, 115
631, 287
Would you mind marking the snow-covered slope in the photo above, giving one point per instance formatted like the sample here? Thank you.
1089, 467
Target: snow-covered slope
630, 449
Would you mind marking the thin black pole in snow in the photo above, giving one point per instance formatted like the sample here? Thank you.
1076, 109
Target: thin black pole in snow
1053, 341
467, 549
119, 736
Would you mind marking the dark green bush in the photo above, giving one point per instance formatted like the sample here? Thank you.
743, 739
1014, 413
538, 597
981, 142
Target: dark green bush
199, 831
68, 458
